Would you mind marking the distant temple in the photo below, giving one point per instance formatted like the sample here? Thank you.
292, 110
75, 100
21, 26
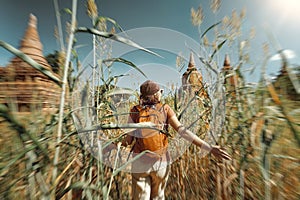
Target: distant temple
193, 86
284, 85
233, 80
23, 86
192, 80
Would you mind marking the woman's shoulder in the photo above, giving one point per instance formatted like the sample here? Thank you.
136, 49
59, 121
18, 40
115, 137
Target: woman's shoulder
166, 106
167, 109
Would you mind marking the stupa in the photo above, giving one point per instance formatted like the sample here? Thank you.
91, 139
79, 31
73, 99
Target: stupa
23, 86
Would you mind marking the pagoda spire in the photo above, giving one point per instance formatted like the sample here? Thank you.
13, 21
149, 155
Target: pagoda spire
192, 76
226, 64
31, 44
191, 62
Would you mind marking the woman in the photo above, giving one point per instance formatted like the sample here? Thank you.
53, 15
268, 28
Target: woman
149, 176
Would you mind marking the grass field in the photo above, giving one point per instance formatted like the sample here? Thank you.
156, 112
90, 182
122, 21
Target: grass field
42, 156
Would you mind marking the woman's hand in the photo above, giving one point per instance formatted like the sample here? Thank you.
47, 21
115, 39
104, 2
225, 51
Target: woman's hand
220, 153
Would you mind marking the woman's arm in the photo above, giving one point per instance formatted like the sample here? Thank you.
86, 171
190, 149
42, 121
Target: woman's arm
125, 142
188, 135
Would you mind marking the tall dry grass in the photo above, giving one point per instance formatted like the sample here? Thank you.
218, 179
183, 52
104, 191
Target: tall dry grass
265, 162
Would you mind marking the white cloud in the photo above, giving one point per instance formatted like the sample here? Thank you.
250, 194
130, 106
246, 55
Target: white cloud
289, 54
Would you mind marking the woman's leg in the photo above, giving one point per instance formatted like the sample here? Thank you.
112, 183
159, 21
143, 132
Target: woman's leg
141, 186
158, 183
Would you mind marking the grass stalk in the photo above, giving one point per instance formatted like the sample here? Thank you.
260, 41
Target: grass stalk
114, 37
113, 172
65, 170
93, 14
242, 184
30, 61
63, 93
24, 135
59, 27
279, 103
100, 175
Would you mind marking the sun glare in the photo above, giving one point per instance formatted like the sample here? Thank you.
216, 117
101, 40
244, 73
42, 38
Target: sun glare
289, 9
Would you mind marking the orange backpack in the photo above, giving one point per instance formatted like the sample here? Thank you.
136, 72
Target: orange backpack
154, 140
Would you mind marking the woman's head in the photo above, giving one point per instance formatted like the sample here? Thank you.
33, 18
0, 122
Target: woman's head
150, 93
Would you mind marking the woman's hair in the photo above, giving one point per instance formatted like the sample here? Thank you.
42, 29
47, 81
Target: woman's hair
149, 99
149, 93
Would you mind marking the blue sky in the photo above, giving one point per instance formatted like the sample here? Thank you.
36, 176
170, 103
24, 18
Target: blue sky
280, 17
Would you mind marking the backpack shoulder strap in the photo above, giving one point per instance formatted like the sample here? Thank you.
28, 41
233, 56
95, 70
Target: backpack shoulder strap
160, 106
137, 108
